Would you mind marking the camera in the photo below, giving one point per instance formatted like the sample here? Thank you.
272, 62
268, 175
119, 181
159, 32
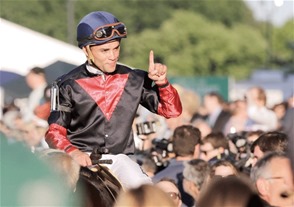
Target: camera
160, 150
146, 128
239, 139
162, 144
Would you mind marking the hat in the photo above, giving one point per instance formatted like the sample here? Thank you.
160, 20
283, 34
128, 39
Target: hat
90, 23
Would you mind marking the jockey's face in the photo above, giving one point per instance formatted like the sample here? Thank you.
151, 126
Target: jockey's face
105, 56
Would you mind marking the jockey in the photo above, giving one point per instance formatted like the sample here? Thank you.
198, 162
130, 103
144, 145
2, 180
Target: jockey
95, 104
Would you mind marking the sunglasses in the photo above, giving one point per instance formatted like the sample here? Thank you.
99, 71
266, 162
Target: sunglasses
205, 152
108, 31
174, 195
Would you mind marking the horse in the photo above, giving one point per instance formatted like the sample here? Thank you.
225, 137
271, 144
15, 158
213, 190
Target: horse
97, 185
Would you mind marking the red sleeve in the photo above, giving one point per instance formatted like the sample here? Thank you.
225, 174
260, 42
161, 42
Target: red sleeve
56, 138
170, 105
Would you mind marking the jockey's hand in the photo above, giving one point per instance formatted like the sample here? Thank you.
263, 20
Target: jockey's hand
157, 71
80, 157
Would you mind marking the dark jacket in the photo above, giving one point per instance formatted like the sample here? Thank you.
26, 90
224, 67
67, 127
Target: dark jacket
221, 121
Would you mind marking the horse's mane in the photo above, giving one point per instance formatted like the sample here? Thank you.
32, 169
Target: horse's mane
98, 186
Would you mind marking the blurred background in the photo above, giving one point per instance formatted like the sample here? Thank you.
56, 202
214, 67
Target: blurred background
208, 45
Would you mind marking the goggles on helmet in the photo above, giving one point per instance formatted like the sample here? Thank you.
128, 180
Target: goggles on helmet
109, 30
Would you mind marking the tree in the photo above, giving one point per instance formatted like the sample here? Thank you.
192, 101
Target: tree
283, 45
51, 16
47, 17
227, 12
191, 37
192, 45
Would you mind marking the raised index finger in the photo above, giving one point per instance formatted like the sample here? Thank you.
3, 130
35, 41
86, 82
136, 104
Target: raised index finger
151, 61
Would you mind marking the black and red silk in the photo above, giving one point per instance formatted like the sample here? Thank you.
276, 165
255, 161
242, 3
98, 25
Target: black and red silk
101, 109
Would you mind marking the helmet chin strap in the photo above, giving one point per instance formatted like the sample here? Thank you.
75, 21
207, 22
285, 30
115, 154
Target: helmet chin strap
90, 57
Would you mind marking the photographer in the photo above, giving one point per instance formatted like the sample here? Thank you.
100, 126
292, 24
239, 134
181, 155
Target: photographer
268, 142
214, 147
243, 154
146, 131
152, 152
186, 143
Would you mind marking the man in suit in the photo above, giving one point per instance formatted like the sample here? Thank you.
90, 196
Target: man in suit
217, 116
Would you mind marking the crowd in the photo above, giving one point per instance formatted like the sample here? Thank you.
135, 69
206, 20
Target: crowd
220, 154
116, 136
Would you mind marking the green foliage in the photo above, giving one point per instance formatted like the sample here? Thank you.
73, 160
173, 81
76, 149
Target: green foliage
193, 37
283, 44
227, 12
192, 45
48, 17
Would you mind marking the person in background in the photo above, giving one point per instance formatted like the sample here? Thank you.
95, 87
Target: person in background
190, 105
63, 165
268, 142
260, 117
42, 111
30, 134
215, 147
273, 178
217, 116
230, 191
13, 125
186, 143
36, 80
200, 123
196, 175
238, 120
251, 136
33, 136
223, 168
146, 162
27, 181
94, 105
288, 128
170, 187
144, 196
280, 111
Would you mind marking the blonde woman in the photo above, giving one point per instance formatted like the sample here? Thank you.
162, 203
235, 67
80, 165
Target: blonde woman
63, 165
144, 196
230, 191
223, 168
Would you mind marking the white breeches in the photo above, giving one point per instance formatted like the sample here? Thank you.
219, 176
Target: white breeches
127, 171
